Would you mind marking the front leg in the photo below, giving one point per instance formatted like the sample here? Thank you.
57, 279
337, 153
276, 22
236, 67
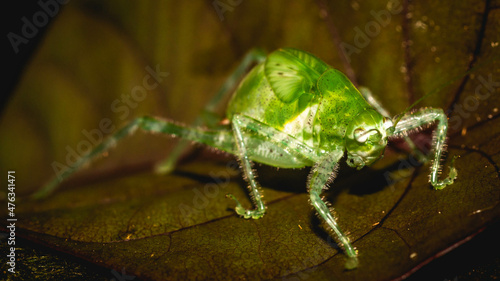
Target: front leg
424, 117
321, 175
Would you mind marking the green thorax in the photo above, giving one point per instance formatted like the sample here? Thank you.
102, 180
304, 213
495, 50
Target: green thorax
297, 93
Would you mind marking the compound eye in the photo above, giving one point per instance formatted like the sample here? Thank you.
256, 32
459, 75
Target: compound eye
360, 135
372, 136
375, 136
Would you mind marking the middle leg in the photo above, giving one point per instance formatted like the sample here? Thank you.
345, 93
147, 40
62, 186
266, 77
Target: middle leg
255, 140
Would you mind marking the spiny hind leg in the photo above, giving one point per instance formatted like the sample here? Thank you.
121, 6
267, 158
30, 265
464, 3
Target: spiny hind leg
423, 117
222, 139
208, 116
323, 173
370, 98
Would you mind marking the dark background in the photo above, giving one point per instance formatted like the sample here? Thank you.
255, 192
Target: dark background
14, 63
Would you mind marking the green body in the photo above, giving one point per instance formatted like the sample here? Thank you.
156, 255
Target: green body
311, 102
292, 110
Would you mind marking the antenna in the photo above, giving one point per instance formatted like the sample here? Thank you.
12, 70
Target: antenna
444, 85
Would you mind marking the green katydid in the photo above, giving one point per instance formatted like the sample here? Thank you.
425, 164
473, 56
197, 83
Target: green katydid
292, 110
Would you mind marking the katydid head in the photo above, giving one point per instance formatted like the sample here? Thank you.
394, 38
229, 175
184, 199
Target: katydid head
366, 138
